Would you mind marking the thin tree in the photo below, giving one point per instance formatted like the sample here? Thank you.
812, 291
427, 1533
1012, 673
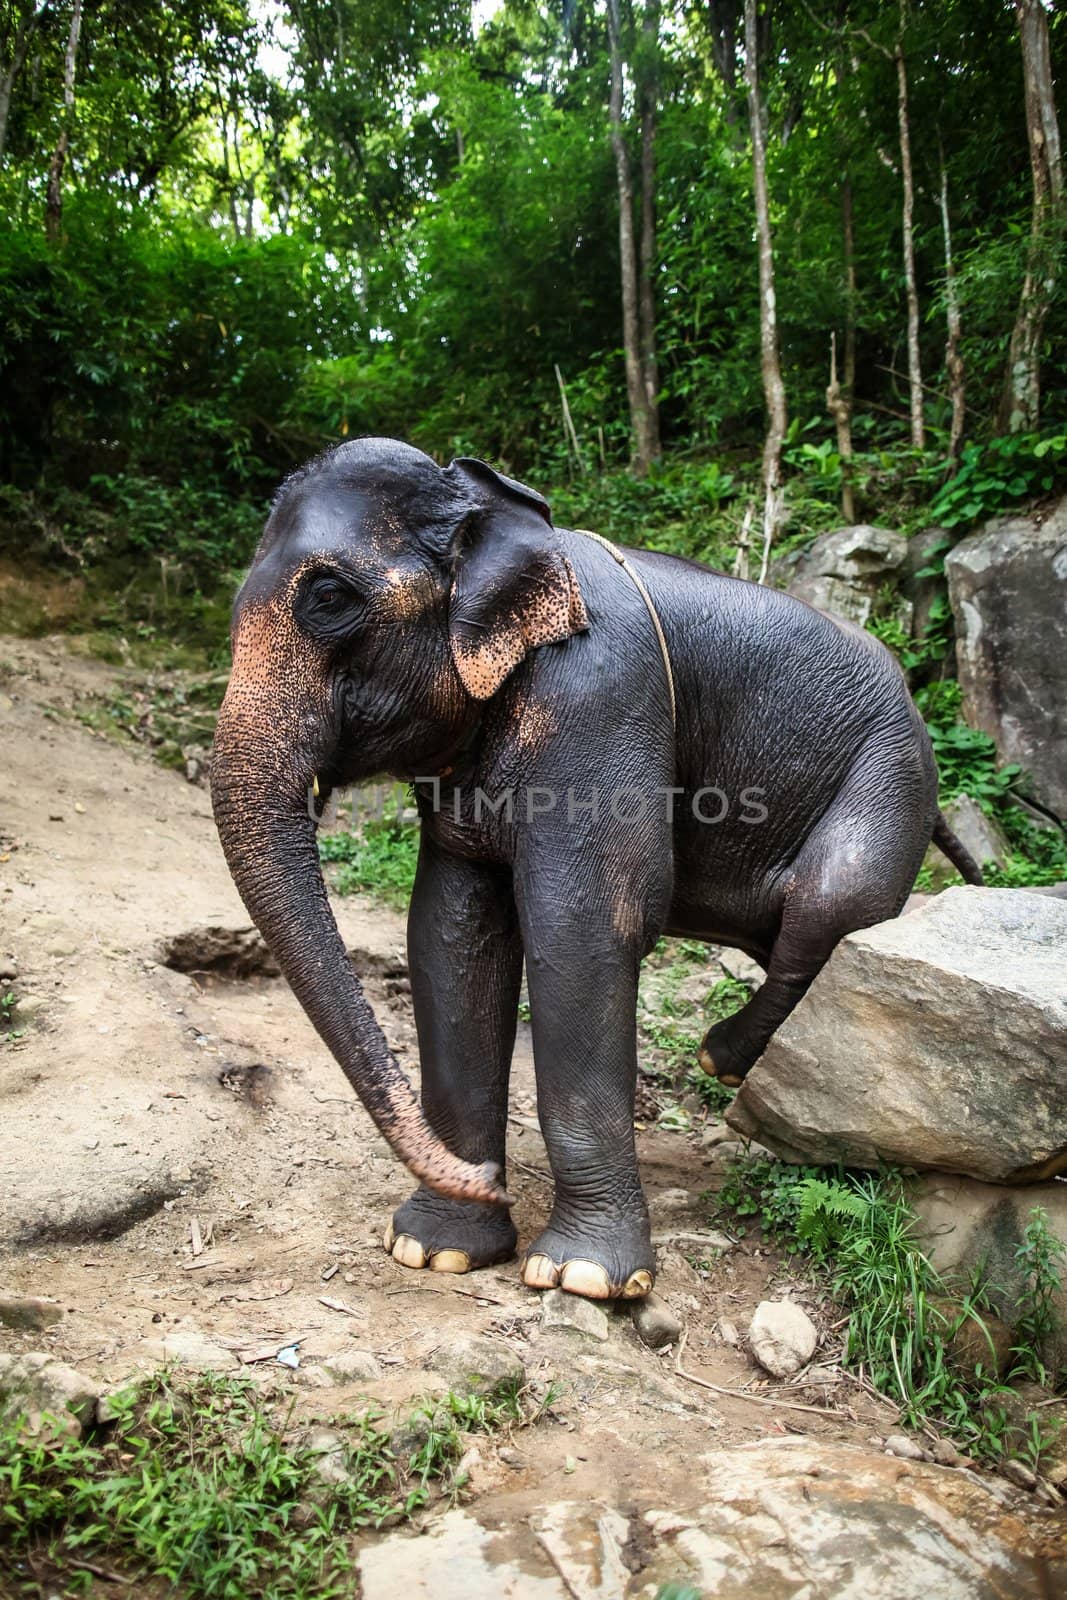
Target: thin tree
954, 368
840, 396
30, 18
770, 363
53, 215
644, 421
649, 106
915, 374
1020, 407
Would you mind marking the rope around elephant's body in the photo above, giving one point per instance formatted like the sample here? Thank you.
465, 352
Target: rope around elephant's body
635, 578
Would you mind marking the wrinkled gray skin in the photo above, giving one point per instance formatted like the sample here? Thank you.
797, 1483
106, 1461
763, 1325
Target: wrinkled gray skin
407, 619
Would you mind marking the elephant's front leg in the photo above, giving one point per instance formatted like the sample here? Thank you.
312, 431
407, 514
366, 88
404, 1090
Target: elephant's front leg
465, 957
584, 943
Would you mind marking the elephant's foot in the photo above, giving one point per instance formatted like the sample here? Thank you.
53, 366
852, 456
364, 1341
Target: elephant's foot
725, 1056
612, 1259
449, 1235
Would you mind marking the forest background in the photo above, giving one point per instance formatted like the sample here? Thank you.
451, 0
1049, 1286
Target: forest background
716, 278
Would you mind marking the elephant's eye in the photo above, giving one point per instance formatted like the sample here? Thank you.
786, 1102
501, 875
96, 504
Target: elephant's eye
327, 603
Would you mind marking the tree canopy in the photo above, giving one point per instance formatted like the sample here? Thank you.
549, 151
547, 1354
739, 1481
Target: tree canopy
276, 223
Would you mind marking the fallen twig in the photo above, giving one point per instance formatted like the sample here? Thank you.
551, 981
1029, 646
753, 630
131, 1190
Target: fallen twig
741, 1394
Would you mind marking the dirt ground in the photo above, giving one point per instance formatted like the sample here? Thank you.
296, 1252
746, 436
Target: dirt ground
178, 1153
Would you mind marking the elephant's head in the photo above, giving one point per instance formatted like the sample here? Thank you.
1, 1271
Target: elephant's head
388, 598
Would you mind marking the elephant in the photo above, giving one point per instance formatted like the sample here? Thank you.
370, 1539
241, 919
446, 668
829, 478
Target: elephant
433, 624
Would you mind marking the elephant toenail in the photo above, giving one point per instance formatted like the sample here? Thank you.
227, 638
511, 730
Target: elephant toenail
540, 1272
638, 1284
388, 1236
408, 1252
450, 1261
586, 1278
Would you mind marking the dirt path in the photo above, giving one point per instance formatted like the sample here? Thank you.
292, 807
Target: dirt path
146, 1110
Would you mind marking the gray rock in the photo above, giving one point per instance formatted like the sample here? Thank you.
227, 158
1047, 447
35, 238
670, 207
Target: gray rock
898, 1444
1020, 1475
1008, 587
801, 1517
351, 1366
29, 1312
984, 838
470, 1365
654, 1321
330, 1452
570, 1312
456, 1558
9, 970
36, 1386
843, 572
187, 1347
937, 1040
782, 1337
966, 1227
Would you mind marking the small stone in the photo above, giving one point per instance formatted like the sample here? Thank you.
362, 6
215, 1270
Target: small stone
898, 1444
188, 1348
29, 1005
728, 1332
944, 1452
782, 1337
116, 1402
36, 1386
28, 1312
718, 1133
562, 1310
8, 969
351, 1366
655, 1323
471, 1365
1019, 1475
330, 1458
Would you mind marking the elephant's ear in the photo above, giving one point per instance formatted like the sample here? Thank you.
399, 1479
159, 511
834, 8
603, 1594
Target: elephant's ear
513, 588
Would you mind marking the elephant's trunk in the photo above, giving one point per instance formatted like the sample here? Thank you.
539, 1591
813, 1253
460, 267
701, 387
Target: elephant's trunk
259, 789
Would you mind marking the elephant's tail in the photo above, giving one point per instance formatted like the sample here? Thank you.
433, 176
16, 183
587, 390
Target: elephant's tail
958, 854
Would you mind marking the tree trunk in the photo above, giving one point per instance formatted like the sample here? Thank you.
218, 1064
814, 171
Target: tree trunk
915, 376
770, 365
839, 398
1020, 407
53, 217
642, 443
954, 341
27, 27
647, 276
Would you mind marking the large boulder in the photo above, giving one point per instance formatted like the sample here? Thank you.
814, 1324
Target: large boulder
967, 1227
798, 1519
845, 571
1008, 588
937, 1040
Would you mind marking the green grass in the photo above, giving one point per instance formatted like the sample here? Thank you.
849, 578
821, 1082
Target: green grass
201, 1486
860, 1232
379, 859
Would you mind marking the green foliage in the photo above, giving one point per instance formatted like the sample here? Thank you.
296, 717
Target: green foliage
903, 1317
201, 1487
994, 476
1040, 1260
966, 758
379, 859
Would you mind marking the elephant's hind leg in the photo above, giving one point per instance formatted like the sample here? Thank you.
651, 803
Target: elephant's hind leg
854, 870
465, 956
